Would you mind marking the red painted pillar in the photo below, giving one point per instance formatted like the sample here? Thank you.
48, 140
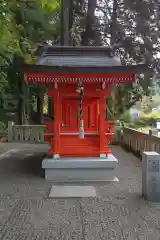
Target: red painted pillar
56, 124
102, 130
108, 137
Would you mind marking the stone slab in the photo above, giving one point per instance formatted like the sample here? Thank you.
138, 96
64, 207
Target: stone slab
65, 163
80, 175
72, 192
80, 169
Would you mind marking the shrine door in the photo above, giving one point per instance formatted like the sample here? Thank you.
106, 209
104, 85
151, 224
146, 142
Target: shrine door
71, 144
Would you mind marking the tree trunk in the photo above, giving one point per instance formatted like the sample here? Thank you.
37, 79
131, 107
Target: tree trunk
113, 25
40, 102
88, 33
26, 103
70, 21
20, 107
65, 6
112, 42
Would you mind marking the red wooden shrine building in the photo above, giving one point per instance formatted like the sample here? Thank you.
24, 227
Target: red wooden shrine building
79, 80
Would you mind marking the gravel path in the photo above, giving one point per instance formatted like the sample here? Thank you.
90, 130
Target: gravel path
117, 213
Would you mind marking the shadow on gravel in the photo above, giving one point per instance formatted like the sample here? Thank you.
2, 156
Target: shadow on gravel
32, 165
16, 161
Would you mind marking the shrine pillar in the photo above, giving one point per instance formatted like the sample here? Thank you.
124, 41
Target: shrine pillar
102, 129
56, 124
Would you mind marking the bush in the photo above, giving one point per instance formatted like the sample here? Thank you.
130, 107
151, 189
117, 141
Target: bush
2, 127
145, 121
150, 116
126, 117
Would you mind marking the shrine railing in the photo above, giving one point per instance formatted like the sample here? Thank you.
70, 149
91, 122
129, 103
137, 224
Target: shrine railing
26, 133
139, 142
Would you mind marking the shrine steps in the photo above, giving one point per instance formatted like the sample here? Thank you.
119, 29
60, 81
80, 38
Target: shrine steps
80, 169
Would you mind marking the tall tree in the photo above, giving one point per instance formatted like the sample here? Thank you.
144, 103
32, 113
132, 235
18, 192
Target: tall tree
131, 28
26, 25
88, 35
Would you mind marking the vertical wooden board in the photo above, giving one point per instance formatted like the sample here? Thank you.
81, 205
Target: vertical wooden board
73, 116
85, 116
21, 133
68, 110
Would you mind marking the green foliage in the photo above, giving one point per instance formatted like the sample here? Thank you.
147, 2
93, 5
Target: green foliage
145, 106
150, 116
23, 25
144, 123
126, 117
2, 127
45, 105
147, 103
130, 27
7, 116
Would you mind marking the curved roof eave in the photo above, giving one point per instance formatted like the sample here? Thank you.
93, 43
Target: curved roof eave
79, 61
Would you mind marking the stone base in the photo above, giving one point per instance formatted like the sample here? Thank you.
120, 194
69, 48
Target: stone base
80, 169
72, 192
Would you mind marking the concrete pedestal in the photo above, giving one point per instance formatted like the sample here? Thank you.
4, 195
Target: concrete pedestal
80, 169
151, 176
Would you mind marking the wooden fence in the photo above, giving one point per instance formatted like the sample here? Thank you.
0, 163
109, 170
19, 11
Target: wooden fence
139, 142
26, 133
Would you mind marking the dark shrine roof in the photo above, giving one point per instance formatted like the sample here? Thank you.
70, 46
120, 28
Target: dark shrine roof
73, 50
68, 56
89, 64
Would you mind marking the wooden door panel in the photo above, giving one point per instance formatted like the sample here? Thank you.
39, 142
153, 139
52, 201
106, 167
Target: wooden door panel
70, 115
73, 117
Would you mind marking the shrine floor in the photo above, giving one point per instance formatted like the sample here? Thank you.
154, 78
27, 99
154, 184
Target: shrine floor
118, 212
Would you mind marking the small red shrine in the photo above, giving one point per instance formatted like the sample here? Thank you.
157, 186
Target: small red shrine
79, 80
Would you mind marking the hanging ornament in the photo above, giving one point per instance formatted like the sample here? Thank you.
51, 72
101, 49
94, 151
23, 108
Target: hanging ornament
80, 90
